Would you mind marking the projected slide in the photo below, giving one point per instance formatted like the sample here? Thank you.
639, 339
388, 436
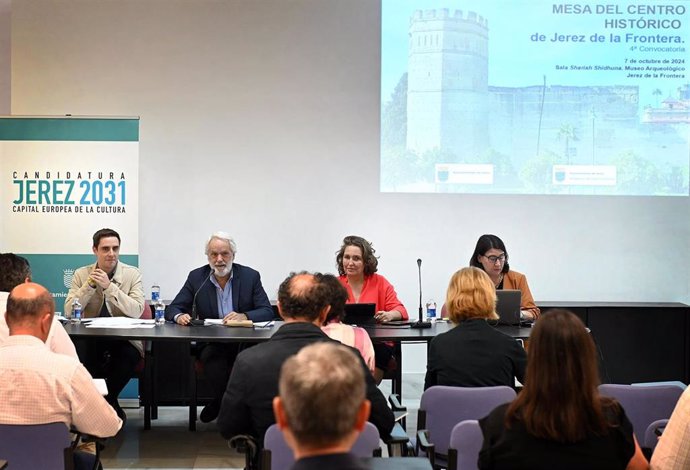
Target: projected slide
535, 97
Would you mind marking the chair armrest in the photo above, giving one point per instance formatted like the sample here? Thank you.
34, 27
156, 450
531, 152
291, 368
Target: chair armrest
98, 446
394, 400
85, 437
651, 434
424, 444
245, 444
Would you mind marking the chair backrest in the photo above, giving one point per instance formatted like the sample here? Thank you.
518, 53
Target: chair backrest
35, 446
465, 443
277, 452
644, 405
442, 407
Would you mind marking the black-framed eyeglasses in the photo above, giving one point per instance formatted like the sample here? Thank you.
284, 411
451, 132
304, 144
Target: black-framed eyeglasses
494, 259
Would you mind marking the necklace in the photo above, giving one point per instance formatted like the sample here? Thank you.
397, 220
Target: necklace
500, 280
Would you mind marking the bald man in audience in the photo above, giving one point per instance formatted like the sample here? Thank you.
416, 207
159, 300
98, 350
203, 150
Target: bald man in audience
15, 270
322, 407
247, 407
38, 386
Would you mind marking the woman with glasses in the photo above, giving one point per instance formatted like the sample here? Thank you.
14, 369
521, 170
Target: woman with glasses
559, 420
491, 255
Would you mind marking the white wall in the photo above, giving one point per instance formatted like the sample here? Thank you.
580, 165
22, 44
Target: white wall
261, 117
5, 30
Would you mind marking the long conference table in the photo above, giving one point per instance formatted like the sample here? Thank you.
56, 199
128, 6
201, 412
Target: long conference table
637, 342
175, 335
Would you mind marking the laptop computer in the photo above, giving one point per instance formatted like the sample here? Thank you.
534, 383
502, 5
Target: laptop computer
508, 306
360, 314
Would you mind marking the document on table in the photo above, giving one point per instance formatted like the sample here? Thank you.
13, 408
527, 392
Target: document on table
101, 386
245, 323
119, 322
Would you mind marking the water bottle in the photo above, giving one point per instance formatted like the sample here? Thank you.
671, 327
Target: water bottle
76, 311
431, 310
160, 312
155, 293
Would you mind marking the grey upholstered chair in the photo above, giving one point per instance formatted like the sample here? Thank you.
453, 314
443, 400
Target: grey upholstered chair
466, 441
442, 407
276, 455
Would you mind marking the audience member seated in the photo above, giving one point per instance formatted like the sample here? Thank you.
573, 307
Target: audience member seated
559, 420
357, 265
349, 335
473, 353
673, 450
322, 406
15, 270
247, 408
491, 255
38, 386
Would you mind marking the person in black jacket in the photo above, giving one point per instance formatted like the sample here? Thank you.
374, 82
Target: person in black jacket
322, 407
246, 408
222, 289
473, 354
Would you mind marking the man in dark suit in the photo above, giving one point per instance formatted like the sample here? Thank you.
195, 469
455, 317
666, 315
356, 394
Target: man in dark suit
220, 290
303, 302
319, 432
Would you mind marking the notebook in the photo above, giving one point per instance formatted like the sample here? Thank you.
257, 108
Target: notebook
360, 314
508, 306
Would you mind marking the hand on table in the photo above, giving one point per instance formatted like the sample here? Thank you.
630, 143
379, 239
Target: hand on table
234, 316
526, 315
383, 317
183, 319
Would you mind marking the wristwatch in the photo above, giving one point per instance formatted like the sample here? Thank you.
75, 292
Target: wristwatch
92, 283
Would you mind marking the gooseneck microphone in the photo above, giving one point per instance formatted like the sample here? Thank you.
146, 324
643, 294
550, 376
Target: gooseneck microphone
195, 321
419, 271
420, 323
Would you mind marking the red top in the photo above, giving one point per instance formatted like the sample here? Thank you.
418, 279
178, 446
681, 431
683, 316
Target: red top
376, 290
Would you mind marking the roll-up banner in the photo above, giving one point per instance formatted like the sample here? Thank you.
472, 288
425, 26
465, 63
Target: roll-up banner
62, 179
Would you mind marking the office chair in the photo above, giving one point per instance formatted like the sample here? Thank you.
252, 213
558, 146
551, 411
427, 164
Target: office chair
42, 446
276, 455
465, 443
442, 407
644, 405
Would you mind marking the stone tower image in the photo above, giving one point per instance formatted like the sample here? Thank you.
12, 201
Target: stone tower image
447, 93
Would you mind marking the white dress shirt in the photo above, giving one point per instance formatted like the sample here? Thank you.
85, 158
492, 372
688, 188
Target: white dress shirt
38, 386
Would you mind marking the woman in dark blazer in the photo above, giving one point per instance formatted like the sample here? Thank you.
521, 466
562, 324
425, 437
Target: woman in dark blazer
473, 354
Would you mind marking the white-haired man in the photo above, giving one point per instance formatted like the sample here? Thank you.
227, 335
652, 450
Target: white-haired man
221, 289
322, 406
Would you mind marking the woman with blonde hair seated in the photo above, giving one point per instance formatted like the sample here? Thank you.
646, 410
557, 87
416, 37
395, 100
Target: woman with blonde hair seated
559, 420
473, 353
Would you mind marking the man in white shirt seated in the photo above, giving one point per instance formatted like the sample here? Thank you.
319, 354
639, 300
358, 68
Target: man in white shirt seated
38, 386
15, 270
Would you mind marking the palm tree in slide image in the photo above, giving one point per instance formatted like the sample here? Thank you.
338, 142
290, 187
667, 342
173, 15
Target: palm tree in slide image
568, 132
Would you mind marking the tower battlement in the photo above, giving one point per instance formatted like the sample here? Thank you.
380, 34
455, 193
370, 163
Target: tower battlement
444, 14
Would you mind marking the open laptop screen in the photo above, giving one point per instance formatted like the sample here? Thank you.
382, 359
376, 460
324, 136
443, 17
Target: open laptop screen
360, 314
508, 306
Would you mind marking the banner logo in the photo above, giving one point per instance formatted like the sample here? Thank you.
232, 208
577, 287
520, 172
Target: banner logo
67, 275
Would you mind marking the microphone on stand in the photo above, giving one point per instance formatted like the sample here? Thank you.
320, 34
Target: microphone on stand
420, 323
195, 321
